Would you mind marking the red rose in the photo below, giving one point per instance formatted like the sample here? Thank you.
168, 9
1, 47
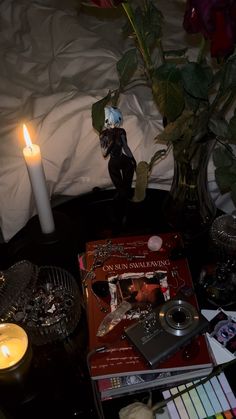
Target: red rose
215, 19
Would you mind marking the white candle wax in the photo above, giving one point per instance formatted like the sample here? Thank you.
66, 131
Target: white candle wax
13, 345
37, 178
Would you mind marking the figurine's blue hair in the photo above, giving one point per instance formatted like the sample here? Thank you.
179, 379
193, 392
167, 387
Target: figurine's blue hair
113, 117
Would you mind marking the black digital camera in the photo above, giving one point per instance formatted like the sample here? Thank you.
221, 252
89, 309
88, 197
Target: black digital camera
165, 330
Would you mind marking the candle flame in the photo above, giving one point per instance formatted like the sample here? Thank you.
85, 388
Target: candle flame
27, 136
5, 351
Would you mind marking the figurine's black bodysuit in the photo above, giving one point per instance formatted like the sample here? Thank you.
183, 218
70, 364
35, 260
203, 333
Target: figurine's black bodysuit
121, 164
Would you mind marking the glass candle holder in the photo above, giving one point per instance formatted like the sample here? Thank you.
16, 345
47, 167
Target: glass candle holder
220, 285
15, 354
223, 234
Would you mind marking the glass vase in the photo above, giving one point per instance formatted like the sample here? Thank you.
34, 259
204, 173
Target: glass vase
189, 207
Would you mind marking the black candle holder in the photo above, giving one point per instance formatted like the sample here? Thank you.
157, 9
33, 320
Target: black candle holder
58, 248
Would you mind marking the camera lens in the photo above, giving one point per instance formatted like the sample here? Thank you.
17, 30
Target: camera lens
179, 317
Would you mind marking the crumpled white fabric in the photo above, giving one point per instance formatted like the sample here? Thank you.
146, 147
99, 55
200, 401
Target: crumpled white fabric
53, 66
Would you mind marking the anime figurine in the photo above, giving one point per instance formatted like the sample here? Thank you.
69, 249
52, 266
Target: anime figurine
122, 164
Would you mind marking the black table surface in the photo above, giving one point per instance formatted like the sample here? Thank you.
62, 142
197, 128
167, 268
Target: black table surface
58, 384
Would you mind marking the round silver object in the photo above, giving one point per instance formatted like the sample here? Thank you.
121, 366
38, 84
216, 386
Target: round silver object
178, 317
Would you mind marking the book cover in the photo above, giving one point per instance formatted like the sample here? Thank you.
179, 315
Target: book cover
124, 268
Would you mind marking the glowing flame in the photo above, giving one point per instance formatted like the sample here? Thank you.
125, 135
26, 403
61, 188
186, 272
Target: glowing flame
5, 351
27, 136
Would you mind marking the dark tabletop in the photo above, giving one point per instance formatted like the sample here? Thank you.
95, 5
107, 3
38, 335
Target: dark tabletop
58, 384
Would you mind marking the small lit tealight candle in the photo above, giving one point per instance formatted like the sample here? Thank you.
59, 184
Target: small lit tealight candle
13, 345
15, 362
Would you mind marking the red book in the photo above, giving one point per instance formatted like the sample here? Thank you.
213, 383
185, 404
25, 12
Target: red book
125, 268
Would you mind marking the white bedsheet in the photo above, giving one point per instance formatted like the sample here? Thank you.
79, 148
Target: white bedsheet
53, 66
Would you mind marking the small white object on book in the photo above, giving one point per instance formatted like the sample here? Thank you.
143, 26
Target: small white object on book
154, 243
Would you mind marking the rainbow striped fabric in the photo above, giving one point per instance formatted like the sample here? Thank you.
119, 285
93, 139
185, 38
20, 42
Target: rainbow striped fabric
213, 399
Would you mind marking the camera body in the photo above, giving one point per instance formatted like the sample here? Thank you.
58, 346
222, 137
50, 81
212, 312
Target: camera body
165, 330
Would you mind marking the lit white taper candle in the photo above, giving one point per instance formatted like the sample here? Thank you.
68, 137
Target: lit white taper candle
37, 178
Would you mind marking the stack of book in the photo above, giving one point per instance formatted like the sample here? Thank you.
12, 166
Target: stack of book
126, 269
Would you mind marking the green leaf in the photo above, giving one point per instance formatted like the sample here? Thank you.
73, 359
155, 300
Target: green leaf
158, 155
175, 52
233, 193
152, 27
218, 126
175, 130
225, 179
225, 172
138, 18
229, 74
191, 102
222, 157
232, 129
200, 126
167, 91
196, 80
149, 21
127, 65
98, 115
